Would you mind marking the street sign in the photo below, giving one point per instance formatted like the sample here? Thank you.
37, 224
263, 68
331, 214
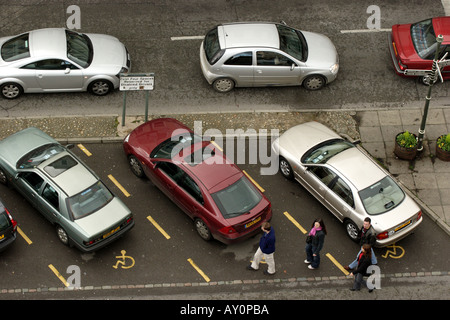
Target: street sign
137, 81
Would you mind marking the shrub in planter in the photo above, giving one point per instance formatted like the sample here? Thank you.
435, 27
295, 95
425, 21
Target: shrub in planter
443, 147
406, 145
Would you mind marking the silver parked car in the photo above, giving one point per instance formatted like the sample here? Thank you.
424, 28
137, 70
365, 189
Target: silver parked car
60, 186
347, 181
261, 54
60, 60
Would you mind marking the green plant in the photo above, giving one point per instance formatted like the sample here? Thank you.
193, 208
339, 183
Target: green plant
443, 142
407, 140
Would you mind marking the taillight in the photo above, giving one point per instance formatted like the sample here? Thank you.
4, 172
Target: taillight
402, 66
419, 215
227, 230
382, 235
14, 222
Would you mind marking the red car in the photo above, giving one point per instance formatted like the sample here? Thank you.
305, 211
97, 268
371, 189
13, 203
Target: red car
413, 46
214, 192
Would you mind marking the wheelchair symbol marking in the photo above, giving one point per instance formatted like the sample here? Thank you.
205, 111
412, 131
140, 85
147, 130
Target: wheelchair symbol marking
393, 253
122, 262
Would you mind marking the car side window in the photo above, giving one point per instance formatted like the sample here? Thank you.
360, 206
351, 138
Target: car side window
324, 174
343, 191
34, 180
50, 194
50, 64
270, 58
241, 59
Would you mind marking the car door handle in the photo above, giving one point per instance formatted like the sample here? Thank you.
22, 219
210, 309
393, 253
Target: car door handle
259, 71
40, 76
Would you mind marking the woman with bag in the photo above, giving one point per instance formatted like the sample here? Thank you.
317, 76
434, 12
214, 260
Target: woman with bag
364, 261
314, 243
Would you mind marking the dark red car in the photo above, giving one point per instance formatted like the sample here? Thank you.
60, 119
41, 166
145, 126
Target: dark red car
198, 177
413, 46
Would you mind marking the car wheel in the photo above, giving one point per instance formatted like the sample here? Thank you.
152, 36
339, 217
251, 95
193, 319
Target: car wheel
314, 82
100, 87
62, 235
3, 178
223, 85
202, 229
286, 169
352, 230
135, 166
11, 90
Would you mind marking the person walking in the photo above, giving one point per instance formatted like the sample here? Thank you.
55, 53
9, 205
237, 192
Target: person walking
266, 249
364, 261
314, 243
366, 235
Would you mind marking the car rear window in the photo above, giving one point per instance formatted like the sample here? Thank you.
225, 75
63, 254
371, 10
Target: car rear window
424, 38
16, 48
211, 46
381, 196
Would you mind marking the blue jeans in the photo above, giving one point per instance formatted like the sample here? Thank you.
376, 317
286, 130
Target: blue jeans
315, 260
354, 264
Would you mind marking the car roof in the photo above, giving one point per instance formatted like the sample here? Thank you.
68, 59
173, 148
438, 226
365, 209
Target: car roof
45, 42
249, 34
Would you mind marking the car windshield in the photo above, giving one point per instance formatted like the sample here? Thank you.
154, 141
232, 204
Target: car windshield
79, 48
16, 48
292, 42
37, 156
424, 38
4, 221
171, 147
381, 196
89, 200
326, 150
211, 46
237, 199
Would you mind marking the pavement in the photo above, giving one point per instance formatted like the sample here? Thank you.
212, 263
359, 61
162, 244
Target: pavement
426, 179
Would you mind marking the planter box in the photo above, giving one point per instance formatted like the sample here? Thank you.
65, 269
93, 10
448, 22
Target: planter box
442, 154
405, 153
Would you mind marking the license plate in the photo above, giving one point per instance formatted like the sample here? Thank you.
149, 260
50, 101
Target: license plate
402, 226
252, 222
111, 232
2, 236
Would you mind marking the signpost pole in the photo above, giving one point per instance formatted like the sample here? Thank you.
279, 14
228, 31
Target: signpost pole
124, 107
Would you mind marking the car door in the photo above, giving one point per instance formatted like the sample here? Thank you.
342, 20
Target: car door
275, 68
57, 75
49, 202
340, 198
316, 180
240, 67
30, 185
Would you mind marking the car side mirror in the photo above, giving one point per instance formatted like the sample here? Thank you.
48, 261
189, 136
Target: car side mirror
293, 67
67, 71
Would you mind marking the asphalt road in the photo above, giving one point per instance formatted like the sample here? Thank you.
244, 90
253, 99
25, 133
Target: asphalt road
366, 78
164, 262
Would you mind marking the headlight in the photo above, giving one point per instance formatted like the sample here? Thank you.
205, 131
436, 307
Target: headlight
334, 68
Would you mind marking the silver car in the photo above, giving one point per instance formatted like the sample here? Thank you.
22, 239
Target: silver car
347, 182
266, 54
60, 186
59, 60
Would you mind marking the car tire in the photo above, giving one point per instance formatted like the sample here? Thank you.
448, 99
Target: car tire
136, 166
314, 82
352, 230
11, 90
202, 229
3, 177
223, 85
62, 235
286, 169
100, 87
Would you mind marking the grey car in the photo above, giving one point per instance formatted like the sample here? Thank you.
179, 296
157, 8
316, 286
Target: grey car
258, 54
347, 181
60, 60
61, 187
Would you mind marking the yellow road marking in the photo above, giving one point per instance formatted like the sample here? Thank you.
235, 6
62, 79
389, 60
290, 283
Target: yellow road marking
157, 226
198, 270
337, 264
295, 222
56, 272
24, 236
217, 146
118, 185
251, 179
86, 151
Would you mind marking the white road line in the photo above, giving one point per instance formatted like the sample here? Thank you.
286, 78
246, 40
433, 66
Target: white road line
366, 30
187, 38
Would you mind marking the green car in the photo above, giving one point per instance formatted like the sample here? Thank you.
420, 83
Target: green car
85, 212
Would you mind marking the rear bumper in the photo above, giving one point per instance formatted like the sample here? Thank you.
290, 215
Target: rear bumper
398, 236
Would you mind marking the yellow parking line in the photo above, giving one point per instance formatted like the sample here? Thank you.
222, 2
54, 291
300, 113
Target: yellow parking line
158, 227
256, 184
295, 222
118, 185
198, 270
216, 145
337, 264
56, 272
86, 151
24, 236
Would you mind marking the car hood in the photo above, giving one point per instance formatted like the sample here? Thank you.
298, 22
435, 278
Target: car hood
401, 35
109, 52
105, 219
321, 51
